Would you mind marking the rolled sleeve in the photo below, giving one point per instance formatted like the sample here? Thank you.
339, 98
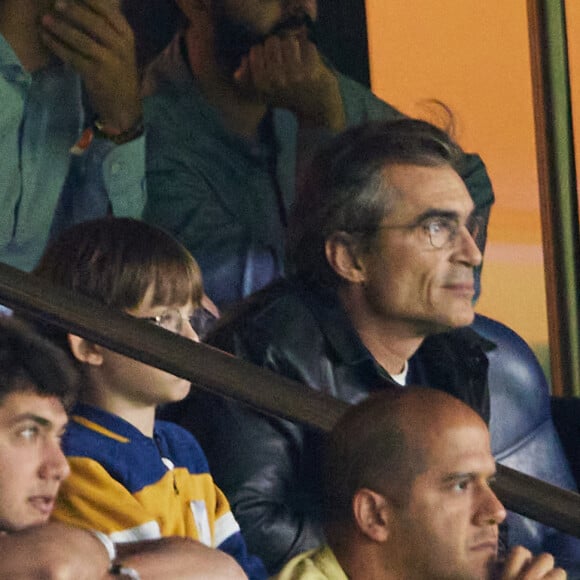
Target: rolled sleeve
124, 178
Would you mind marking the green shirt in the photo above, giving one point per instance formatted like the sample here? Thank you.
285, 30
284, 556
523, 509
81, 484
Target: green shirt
48, 182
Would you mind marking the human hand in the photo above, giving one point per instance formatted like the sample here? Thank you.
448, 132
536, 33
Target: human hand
522, 565
94, 37
288, 72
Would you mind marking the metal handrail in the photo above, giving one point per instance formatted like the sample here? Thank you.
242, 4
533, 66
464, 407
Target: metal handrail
558, 191
221, 373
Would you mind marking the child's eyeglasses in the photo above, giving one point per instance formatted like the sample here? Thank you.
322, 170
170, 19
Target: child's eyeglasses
170, 319
202, 321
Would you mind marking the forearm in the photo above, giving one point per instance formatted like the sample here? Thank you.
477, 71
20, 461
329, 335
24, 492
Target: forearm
178, 559
59, 551
328, 110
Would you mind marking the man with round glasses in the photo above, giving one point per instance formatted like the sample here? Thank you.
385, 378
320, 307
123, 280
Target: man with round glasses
234, 105
382, 247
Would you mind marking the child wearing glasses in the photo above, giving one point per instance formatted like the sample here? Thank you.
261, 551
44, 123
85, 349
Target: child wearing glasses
132, 477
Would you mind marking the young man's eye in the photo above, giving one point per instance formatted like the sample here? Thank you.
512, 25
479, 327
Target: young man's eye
461, 485
28, 433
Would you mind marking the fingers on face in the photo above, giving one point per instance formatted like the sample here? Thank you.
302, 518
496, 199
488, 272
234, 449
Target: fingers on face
89, 14
85, 28
259, 69
292, 57
282, 62
522, 565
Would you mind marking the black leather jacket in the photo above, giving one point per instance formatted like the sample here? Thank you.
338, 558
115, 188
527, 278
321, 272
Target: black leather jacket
268, 467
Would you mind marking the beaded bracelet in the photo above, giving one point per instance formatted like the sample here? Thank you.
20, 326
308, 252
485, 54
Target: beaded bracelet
99, 130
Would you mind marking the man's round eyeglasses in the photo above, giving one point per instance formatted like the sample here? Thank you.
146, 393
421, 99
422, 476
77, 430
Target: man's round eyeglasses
442, 231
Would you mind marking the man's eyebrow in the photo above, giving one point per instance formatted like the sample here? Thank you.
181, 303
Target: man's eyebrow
31, 417
450, 477
441, 213
436, 213
461, 475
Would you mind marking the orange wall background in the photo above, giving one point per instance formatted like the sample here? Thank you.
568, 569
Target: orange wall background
474, 56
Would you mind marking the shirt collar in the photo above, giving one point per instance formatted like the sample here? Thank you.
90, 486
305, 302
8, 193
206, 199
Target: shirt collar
325, 559
108, 421
343, 338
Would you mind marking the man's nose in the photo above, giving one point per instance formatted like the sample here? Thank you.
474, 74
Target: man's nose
466, 248
491, 510
54, 464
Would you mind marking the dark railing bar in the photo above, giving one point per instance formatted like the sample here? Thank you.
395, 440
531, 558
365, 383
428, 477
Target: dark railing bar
221, 373
538, 500
206, 367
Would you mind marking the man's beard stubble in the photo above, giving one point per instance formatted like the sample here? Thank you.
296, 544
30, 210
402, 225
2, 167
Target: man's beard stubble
233, 40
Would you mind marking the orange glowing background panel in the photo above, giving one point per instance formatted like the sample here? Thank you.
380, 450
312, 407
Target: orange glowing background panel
474, 56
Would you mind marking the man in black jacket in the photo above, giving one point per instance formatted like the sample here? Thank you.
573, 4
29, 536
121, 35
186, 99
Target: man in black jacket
383, 244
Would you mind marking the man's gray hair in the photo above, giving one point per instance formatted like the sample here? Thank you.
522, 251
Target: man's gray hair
344, 188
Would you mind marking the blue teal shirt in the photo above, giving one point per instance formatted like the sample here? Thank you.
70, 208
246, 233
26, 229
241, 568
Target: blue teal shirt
226, 197
44, 186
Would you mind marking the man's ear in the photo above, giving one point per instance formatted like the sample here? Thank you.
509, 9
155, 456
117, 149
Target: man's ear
343, 256
371, 514
85, 351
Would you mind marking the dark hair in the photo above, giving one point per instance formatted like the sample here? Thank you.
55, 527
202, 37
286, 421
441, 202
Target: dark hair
29, 362
344, 188
115, 261
176, 16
